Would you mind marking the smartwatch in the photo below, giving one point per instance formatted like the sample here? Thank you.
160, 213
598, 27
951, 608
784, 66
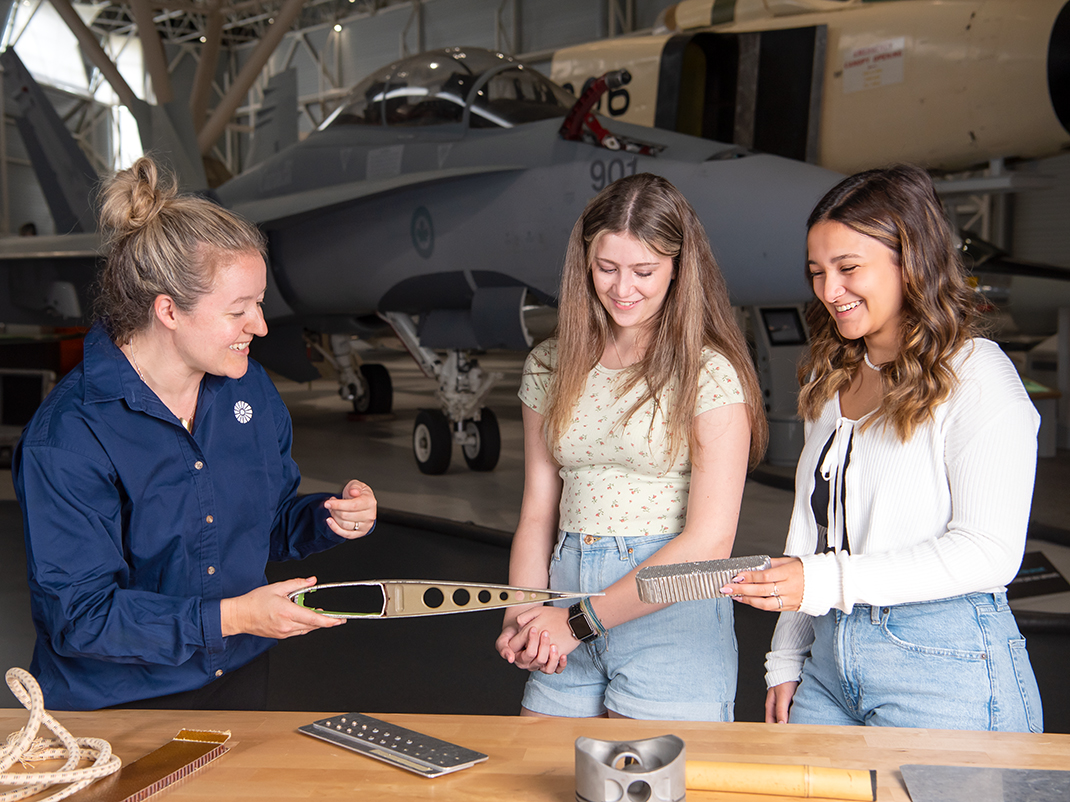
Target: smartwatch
582, 628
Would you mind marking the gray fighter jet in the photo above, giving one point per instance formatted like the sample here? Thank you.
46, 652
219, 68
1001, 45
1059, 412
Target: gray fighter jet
439, 198
437, 203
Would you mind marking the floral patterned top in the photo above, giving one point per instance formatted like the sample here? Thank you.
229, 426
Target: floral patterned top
616, 480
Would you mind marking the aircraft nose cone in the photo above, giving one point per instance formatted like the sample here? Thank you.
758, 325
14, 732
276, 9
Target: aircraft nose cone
1059, 66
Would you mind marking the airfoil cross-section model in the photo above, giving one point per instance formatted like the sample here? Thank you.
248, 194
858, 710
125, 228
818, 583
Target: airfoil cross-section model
415, 597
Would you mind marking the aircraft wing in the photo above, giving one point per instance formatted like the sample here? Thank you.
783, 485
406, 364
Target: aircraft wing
1010, 266
48, 279
58, 246
984, 257
269, 210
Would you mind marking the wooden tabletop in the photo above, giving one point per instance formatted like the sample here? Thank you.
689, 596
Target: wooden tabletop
530, 759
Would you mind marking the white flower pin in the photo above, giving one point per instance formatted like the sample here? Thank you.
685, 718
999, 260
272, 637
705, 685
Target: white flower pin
243, 412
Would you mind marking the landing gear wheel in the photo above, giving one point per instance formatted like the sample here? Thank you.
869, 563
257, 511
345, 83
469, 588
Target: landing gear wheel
432, 441
380, 396
484, 442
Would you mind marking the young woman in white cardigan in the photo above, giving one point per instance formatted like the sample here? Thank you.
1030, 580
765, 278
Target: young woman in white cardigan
912, 492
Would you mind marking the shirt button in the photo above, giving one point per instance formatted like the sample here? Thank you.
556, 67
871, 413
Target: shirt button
198, 465
209, 519
211, 570
219, 672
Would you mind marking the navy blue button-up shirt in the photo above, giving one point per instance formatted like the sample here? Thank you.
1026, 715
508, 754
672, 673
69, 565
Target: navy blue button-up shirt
136, 529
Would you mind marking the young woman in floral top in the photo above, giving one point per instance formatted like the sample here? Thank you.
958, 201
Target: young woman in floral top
640, 419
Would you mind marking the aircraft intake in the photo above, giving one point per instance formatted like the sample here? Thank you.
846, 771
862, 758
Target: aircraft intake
1059, 67
495, 320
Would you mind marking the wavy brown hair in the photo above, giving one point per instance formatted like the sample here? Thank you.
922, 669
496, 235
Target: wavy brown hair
898, 207
161, 243
695, 314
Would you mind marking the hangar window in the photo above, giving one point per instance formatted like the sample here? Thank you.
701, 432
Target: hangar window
50, 51
433, 88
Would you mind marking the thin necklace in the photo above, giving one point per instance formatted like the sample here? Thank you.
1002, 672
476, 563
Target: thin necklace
613, 340
865, 357
187, 423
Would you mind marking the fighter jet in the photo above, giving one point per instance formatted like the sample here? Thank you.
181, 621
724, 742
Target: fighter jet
439, 199
848, 84
436, 203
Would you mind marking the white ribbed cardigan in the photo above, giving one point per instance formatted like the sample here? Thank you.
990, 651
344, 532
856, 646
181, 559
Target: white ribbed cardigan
941, 515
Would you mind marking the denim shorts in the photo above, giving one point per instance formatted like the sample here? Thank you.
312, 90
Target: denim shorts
952, 664
678, 663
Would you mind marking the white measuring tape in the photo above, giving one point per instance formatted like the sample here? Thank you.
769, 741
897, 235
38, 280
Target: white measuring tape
25, 747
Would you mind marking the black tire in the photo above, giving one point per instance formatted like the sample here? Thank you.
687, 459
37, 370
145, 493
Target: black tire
379, 399
432, 441
483, 453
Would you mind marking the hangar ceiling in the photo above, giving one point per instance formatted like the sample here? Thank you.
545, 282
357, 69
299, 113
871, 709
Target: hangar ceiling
182, 21
231, 41
217, 55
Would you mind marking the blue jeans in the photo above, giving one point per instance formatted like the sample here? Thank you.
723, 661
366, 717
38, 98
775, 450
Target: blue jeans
678, 663
953, 664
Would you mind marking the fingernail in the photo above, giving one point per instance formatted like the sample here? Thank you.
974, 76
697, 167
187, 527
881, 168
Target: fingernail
728, 590
740, 579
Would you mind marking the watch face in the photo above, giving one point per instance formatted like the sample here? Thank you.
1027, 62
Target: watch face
580, 626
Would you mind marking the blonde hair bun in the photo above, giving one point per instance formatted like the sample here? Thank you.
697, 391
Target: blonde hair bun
135, 197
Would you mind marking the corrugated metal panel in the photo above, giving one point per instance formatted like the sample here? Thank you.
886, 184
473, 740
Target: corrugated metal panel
27, 201
1041, 230
450, 23
374, 43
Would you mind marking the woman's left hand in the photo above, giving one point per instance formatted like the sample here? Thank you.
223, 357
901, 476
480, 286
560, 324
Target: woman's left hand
352, 514
779, 588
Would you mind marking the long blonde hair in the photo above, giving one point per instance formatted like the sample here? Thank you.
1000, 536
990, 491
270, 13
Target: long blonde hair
161, 243
696, 314
898, 207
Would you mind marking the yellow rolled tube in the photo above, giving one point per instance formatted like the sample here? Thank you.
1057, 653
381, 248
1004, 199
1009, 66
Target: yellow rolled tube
781, 780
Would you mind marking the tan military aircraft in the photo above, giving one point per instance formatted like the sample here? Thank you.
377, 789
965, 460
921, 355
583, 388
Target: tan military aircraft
848, 84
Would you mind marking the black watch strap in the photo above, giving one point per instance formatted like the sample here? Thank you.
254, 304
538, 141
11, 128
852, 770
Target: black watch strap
582, 628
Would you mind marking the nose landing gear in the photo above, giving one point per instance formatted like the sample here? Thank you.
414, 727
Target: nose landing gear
433, 436
432, 441
462, 388
482, 441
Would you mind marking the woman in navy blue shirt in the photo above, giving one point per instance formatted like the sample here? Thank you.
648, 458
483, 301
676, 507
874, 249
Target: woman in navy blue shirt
156, 480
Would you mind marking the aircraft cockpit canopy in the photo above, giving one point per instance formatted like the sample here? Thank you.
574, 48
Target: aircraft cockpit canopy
434, 88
